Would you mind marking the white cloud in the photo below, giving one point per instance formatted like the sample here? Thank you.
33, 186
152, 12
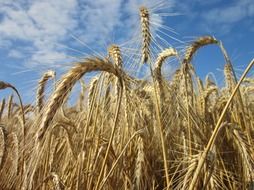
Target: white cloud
15, 54
98, 19
41, 26
47, 56
231, 14
5, 43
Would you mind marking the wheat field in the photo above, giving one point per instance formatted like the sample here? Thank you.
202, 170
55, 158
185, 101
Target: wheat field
126, 132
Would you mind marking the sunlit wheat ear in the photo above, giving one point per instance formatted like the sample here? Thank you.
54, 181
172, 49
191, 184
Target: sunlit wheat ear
10, 101
206, 95
140, 165
56, 181
198, 43
115, 53
65, 85
161, 58
176, 80
9, 170
190, 169
2, 145
200, 86
229, 78
107, 96
2, 108
146, 34
80, 102
92, 90
41, 88
209, 82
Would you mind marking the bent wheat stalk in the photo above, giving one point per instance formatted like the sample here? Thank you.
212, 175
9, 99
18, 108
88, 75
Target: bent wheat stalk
166, 53
66, 84
158, 64
198, 43
4, 85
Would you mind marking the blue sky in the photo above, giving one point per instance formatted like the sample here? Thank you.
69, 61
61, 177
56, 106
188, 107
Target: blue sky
36, 35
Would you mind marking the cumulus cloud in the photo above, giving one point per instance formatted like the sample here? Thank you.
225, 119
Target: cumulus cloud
15, 54
98, 19
37, 24
230, 14
35, 28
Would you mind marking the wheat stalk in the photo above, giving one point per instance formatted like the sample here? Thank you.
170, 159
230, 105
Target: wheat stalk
4, 85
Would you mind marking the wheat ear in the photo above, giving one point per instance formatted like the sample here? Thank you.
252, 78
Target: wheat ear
93, 86
198, 43
9, 170
140, 166
2, 108
158, 64
41, 88
2, 144
10, 101
115, 53
146, 34
166, 53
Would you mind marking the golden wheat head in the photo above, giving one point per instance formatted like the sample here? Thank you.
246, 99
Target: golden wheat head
146, 34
